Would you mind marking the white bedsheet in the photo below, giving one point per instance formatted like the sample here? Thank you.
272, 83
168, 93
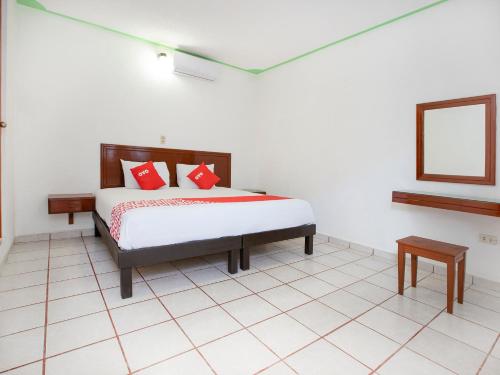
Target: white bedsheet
165, 225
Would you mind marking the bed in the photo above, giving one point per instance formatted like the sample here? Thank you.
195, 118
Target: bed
148, 235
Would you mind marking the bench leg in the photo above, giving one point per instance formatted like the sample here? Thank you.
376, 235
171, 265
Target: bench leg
309, 245
245, 258
96, 232
126, 282
414, 268
461, 280
401, 271
451, 286
232, 261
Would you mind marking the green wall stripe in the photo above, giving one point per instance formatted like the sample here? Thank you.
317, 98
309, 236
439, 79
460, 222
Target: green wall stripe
38, 6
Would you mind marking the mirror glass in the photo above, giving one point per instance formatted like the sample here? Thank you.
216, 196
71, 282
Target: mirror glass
454, 140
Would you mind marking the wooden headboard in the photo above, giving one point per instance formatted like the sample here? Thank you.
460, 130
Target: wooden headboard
111, 168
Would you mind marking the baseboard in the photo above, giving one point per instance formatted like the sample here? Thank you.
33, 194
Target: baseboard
423, 264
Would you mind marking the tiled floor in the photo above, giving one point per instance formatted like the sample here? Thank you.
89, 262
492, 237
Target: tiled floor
335, 312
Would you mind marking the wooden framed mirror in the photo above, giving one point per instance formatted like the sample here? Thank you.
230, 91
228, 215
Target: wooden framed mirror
456, 140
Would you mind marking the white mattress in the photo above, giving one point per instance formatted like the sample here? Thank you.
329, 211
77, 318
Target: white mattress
165, 225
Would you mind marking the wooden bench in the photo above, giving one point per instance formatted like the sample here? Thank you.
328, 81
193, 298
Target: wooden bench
435, 250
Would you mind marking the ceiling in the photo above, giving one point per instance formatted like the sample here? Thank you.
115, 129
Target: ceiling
253, 35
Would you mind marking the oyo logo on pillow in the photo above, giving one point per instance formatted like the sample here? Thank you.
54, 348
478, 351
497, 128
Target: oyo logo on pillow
198, 176
143, 173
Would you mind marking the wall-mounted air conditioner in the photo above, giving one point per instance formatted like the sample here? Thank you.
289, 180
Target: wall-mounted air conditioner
195, 67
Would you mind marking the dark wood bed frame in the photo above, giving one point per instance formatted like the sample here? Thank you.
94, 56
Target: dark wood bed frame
112, 176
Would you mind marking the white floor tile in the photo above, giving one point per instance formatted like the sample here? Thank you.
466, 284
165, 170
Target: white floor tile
191, 264
287, 257
369, 292
364, 344
226, 291
70, 250
23, 280
207, 276
390, 324
21, 319
99, 256
313, 287
154, 344
427, 296
409, 363
72, 287
323, 358
112, 279
283, 334
350, 255
447, 352
158, 270
318, 318
68, 260
284, 297
387, 282
470, 333
375, 263
105, 266
31, 369
138, 315
346, 303
71, 272
72, 307
309, 266
331, 260
481, 299
26, 256
29, 246
356, 270
250, 310
101, 358
496, 350
187, 302
279, 368
171, 284
208, 325
258, 282
64, 242
22, 297
286, 274
337, 278
239, 353
184, 364
9, 269
265, 262
491, 367
411, 309
74, 333
21, 348
487, 318
140, 292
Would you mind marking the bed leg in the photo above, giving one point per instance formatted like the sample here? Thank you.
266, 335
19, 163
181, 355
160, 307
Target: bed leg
244, 258
96, 231
309, 245
232, 261
126, 282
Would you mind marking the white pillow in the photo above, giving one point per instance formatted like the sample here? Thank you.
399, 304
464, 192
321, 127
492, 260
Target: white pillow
131, 183
183, 181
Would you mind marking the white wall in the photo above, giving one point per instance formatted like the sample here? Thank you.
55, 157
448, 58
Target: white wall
338, 128
78, 86
7, 134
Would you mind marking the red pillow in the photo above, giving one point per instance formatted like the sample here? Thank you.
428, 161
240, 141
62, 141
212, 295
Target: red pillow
147, 177
203, 177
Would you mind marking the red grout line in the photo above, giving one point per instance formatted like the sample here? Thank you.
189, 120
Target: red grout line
488, 355
109, 314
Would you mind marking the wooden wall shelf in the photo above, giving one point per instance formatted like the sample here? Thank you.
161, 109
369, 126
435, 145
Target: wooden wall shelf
453, 203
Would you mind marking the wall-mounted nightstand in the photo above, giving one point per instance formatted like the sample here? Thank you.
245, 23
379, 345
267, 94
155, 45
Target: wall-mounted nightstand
71, 203
257, 191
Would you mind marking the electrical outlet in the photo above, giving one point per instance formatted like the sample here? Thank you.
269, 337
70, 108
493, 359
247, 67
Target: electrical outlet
488, 238
162, 139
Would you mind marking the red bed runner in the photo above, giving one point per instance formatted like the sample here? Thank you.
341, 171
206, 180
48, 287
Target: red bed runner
121, 208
